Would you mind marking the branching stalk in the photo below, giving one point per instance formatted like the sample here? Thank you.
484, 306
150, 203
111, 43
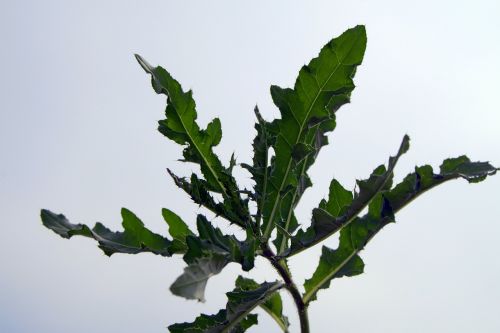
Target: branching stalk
290, 286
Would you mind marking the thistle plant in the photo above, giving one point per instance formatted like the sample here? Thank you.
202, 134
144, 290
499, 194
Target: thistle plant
284, 150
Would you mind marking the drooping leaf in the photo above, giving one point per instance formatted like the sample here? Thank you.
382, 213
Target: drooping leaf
180, 126
236, 317
178, 229
212, 240
344, 261
134, 239
192, 283
342, 208
207, 254
307, 113
273, 305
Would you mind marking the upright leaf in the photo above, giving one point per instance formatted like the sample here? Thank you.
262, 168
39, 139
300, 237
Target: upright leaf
236, 317
344, 261
180, 126
134, 239
260, 169
307, 113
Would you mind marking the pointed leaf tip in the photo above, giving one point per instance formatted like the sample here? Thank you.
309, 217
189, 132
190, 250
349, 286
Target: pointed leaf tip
307, 115
405, 144
342, 207
144, 64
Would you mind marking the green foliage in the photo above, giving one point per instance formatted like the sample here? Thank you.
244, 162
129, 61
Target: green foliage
273, 305
235, 318
307, 116
134, 239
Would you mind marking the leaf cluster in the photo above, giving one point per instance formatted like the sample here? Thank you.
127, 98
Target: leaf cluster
284, 150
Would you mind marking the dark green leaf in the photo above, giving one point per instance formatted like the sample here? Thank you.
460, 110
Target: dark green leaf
332, 264
344, 261
235, 318
212, 240
342, 208
180, 126
307, 113
260, 168
198, 190
207, 254
424, 179
273, 305
203, 324
461, 166
338, 199
134, 239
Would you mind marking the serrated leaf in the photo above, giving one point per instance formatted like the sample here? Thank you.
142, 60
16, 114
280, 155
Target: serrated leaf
338, 199
236, 317
307, 113
332, 264
424, 178
330, 217
203, 323
198, 190
212, 240
180, 126
207, 254
260, 168
178, 229
134, 239
354, 237
273, 305
211, 324
461, 166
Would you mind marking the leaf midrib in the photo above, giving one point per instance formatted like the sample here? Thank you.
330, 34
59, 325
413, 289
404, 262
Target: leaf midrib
278, 196
348, 217
238, 318
212, 171
308, 295
287, 224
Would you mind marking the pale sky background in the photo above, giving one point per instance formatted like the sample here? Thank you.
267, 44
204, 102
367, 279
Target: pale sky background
78, 136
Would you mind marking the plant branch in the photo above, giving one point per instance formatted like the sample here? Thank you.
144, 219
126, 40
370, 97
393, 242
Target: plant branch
290, 286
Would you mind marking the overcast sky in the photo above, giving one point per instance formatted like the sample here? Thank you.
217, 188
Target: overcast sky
78, 136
